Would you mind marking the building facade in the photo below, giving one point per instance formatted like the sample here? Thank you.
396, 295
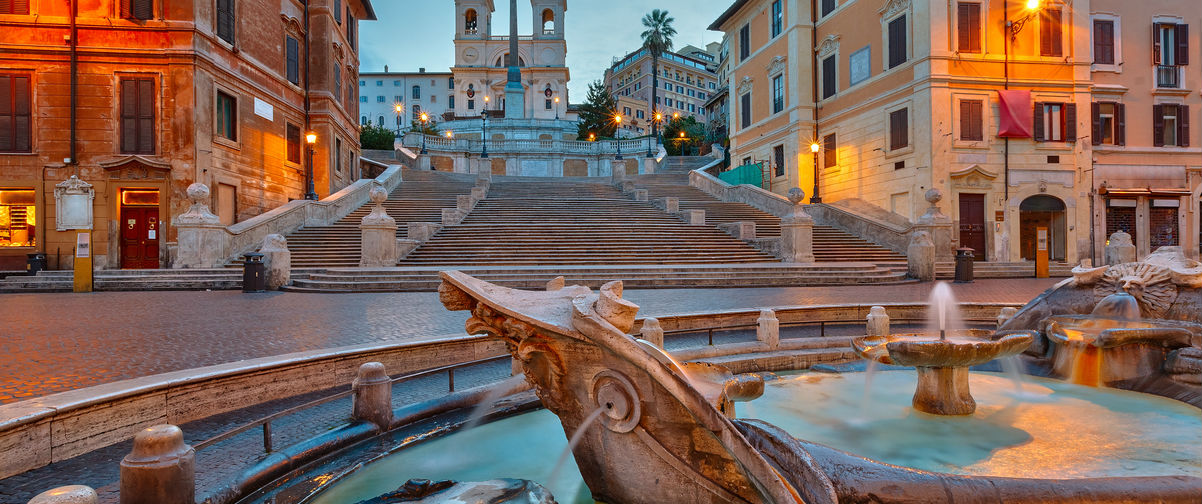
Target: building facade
415, 92
482, 61
686, 81
117, 108
1029, 116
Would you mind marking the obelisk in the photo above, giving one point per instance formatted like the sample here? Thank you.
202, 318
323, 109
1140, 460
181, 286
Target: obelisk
515, 94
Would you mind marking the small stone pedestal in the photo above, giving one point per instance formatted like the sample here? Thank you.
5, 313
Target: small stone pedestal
920, 257
797, 232
694, 217
938, 228
671, 204
373, 395
767, 329
277, 260
1120, 249
943, 391
640, 195
878, 322
160, 469
201, 236
378, 229
653, 333
73, 494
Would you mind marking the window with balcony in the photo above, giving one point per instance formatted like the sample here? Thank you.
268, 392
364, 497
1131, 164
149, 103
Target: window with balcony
1109, 123
1170, 52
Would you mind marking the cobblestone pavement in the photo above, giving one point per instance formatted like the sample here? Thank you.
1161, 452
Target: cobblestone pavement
57, 342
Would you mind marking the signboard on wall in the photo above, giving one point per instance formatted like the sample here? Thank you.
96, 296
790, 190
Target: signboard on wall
264, 110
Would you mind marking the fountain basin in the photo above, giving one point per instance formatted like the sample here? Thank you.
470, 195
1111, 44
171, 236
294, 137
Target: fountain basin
1093, 350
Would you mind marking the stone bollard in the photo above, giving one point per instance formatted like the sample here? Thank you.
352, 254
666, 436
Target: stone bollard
451, 216
278, 261
768, 330
405, 247
464, 203
421, 231
372, 400
694, 217
484, 175
878, 322
743, 230
378, 231
920, 257
1120, 249
160, 469
1005, 316
73, 494
627, 186
479, 192
652, 332
200, 234
797, 232
671, 204
555, 283
640, 195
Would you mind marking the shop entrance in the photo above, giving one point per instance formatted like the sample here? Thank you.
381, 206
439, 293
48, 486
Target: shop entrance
140, 229
972, 223
1043, 211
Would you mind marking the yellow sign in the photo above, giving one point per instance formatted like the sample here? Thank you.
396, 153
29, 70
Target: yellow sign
83, 262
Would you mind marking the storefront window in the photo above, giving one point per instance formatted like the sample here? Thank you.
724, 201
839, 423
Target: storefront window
18, 218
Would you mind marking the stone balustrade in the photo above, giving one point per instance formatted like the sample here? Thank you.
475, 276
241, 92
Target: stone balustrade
528, 146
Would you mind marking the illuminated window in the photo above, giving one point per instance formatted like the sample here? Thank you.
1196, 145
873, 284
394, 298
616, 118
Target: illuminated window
18, 218
140, 198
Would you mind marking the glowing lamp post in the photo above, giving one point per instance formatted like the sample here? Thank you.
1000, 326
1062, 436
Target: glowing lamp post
311, 141
484, 131
556, 108
814, 148
618, 138
399, 108
424, 118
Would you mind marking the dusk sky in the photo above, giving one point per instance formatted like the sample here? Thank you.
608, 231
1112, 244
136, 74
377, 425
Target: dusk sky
412, 34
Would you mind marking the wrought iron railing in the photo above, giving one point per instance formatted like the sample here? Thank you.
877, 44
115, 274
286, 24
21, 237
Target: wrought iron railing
1168, 76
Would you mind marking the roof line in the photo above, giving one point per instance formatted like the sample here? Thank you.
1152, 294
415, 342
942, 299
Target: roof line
717, 24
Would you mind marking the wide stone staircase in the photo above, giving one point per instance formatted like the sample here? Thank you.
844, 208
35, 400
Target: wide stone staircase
420, 198
830, 244
684, 164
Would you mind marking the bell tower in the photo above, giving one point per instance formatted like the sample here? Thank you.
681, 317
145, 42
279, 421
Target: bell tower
548, 18
473, 19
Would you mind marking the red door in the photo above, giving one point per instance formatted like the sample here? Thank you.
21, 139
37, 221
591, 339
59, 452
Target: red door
139, 237
972, 223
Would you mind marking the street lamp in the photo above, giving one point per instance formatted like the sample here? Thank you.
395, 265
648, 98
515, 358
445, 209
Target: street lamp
424, 117
617, 138
656, 118
484, 133
814, 148
399, 108
311, 140
450, 134
682, 144
486, 103
592, 137
556, 108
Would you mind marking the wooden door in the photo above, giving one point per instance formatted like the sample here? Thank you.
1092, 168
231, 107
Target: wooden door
972, 223
140, 237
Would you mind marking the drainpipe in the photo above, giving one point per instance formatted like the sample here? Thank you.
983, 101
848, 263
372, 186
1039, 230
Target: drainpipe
1006, 71
74, 79
815, 197
308, 190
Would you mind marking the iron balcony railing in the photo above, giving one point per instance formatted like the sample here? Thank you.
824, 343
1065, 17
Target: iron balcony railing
1168, 76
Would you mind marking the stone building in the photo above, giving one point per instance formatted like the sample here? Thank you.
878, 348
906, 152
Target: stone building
686, 81
415, 92
138, 99
1017, 111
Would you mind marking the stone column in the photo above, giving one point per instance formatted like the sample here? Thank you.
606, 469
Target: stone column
73, 494
278, 261
373, 395
1120, 249
378, 230
768, 330
201, 234
160, 469
797, 232
938, 226
920, 256
878, 322
652, 332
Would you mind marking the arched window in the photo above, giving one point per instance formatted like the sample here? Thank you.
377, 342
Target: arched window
417, 92
363, 120
470, 21
503, 61
380, 121
548, 22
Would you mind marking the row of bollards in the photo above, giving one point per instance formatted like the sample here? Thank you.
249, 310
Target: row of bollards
161, 467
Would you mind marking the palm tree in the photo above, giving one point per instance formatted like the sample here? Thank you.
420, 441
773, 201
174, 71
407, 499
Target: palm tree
657, 39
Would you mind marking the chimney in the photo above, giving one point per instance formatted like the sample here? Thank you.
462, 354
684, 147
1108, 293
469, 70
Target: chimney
385, 68
421, 70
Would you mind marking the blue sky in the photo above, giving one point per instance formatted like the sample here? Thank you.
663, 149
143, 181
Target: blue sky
412, 34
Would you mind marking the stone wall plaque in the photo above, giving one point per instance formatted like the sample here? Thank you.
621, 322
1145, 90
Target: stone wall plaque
73, 204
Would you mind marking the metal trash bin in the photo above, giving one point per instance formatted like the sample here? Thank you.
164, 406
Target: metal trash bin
34, 263
964, 264
254, 273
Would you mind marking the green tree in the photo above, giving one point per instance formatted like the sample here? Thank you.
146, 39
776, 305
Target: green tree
431, 127
657, 39
597, 113
376, 137
688, 144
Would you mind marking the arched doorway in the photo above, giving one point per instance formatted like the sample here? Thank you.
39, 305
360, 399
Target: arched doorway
1043, 211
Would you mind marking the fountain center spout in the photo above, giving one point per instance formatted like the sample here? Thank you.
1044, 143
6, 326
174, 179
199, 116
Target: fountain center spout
1118, 306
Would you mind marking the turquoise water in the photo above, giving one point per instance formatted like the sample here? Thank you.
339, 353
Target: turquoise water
1050, 429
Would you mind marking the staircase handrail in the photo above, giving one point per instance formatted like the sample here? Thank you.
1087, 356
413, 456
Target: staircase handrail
247, 236
531, 145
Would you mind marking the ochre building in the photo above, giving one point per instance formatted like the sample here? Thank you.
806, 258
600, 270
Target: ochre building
138, 99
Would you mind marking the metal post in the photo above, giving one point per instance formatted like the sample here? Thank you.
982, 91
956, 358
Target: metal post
484, 134
619, 142
310, 194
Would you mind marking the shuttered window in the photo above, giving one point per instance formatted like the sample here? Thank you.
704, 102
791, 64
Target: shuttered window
1103, 42
972, 120
225, 20
745, 109
15, 114
137, 116
897, 41
1109, 124
14, 6
1170, 125
968, 27
338, 11
744, 42
828, 77
1050, 36
1170, 44
350, 30
136, 9
293, 137
292, 56
1055, 122
828, 6
899, 129
830, 155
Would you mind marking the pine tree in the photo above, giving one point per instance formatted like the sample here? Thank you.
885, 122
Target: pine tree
597, 113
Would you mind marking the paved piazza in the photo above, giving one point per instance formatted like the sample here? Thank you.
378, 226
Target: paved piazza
58, 342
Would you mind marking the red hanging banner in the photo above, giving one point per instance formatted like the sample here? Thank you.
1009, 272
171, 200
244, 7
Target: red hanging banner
1014, 109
